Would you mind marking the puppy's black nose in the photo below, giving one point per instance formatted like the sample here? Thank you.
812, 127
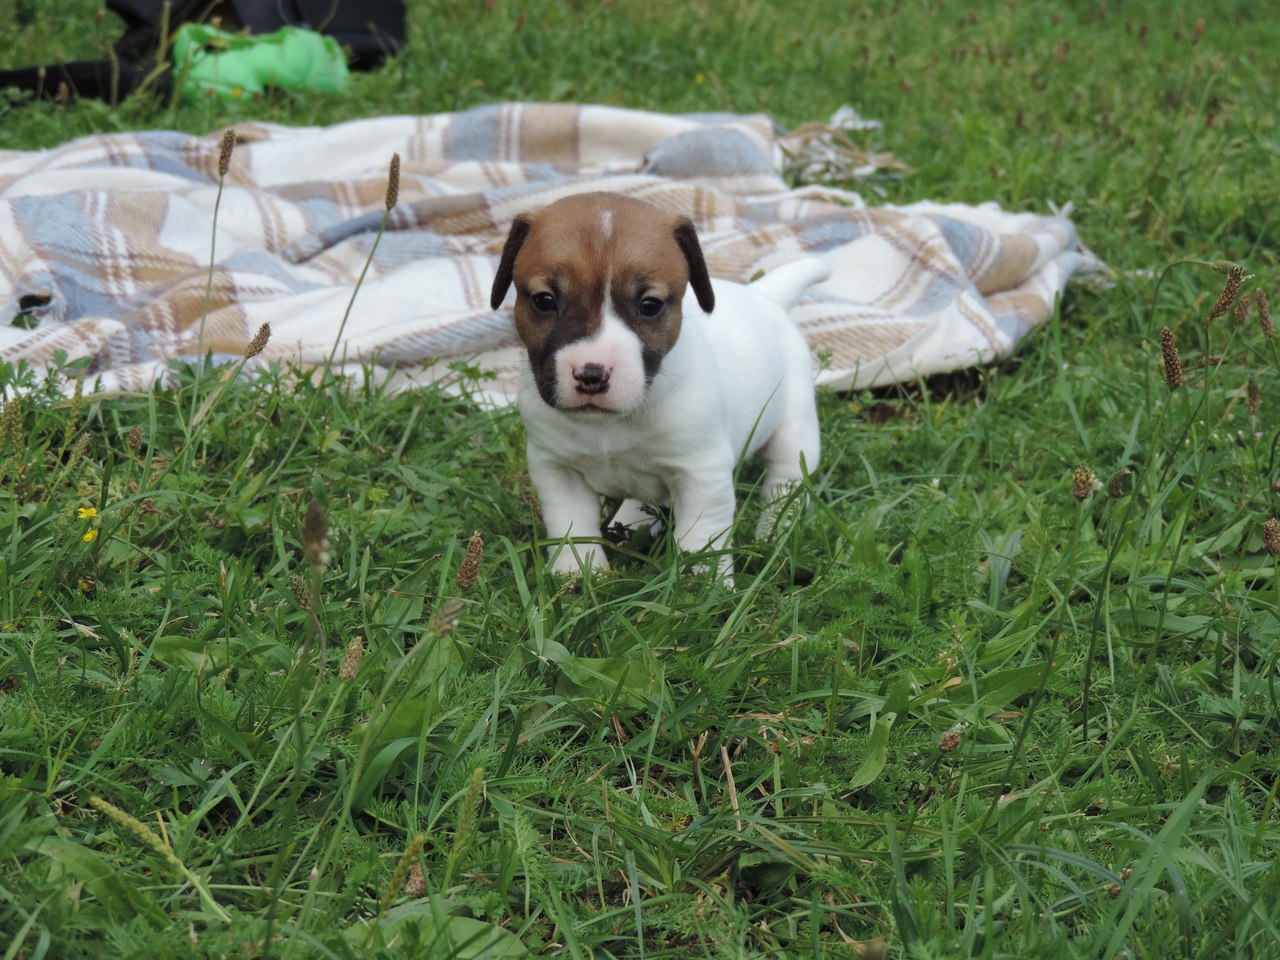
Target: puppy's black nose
592, 378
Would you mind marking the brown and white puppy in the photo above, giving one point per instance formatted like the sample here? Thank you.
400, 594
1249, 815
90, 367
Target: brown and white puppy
647, 379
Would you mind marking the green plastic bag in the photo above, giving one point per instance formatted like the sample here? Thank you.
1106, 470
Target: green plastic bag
214, 63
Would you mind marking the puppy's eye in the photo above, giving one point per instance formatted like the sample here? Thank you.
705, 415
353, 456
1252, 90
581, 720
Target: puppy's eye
544, 302
650, 307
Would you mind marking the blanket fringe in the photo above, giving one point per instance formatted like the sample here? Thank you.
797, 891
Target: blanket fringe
828, 153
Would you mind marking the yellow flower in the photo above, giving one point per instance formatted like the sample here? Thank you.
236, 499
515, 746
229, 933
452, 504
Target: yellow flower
699, 78
87, 513
90, 536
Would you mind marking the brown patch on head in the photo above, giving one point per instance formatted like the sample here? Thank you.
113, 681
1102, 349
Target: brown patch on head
561, 257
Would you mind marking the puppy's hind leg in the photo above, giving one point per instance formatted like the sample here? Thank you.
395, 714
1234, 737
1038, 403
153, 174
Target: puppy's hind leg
788, 455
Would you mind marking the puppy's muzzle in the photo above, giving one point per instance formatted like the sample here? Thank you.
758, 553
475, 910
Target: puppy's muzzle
592, 378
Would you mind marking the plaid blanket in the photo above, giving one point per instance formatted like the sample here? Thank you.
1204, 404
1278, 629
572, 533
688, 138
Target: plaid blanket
105, 242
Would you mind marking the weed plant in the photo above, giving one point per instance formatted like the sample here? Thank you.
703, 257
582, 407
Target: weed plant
1006, 689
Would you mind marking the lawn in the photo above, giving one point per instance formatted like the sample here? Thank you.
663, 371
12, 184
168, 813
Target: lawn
1007, 689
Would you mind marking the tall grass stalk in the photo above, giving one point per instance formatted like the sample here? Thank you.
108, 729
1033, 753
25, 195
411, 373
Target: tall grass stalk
224, 167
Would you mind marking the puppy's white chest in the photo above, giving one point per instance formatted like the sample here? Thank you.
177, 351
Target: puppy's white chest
628, 476
614, 458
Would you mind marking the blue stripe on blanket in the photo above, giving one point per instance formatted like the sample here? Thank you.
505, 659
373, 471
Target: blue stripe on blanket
473, 134
58, 223
825, 233
703, 153
961, 237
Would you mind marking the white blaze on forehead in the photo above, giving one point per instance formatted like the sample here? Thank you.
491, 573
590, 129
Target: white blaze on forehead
613, 346
606, 225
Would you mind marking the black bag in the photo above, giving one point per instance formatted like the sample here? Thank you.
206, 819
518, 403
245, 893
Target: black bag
370, 30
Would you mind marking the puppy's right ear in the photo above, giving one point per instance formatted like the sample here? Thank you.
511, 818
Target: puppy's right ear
515, 240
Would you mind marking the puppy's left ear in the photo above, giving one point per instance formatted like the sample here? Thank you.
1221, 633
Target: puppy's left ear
687, 240
506, 266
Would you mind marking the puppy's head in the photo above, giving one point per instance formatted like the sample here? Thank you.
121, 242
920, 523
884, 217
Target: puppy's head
599, 280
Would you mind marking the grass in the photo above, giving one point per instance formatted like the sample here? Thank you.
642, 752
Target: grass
955, 712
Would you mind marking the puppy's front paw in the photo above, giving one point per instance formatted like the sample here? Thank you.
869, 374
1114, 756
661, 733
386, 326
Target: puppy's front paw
783, 507
573, 559
722, 568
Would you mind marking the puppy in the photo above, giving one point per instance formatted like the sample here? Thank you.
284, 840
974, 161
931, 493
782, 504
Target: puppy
646, 378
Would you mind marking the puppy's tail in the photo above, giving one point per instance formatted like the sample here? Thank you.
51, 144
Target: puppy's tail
787, 283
